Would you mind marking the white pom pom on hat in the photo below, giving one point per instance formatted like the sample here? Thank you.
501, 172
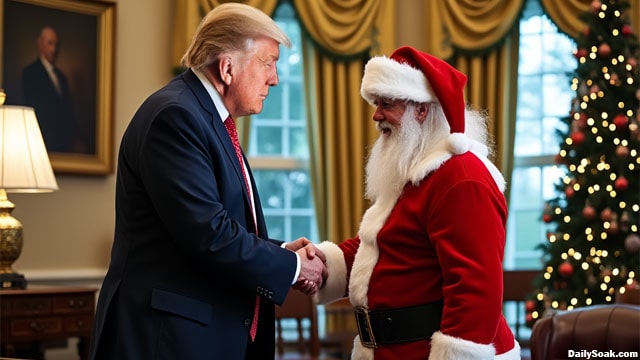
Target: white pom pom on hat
410, 74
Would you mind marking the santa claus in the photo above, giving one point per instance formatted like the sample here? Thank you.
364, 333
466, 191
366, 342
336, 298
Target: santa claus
424, 272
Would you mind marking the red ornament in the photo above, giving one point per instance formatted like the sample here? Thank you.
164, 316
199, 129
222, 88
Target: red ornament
595, 6
565, 269
622, 151
529, 318
604, 49
569, 192
589, 212
620, 121
580, 53
605, 215
546, 218
577, 137
626, 30
582, 121
530, 305
621, 183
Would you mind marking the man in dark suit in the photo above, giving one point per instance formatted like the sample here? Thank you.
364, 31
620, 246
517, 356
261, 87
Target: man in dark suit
191, 260
45, 88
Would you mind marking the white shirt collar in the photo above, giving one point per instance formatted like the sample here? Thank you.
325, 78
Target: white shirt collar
213, 93
47, 65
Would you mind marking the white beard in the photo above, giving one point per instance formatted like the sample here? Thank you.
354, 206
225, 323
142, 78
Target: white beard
392, 156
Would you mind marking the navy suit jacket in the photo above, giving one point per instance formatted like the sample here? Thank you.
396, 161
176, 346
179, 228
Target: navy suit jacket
186, 264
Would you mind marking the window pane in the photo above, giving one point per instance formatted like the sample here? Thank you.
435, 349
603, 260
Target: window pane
528, 137
301, 225
300, 190
296, 102
269, 140
529, 64
276, 227
550, 176
529, 96
557, 100
298, 142
544, 97
271, 188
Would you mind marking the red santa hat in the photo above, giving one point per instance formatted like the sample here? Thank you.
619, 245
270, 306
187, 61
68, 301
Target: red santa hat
409, 74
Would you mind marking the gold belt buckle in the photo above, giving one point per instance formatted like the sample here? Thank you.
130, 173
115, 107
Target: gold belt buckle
364, 327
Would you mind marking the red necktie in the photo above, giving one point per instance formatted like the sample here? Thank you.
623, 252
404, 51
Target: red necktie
230, 125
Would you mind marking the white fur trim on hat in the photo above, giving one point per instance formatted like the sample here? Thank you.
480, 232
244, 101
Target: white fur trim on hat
384, 77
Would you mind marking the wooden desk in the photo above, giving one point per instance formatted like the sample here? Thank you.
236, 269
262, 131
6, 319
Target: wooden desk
33, 317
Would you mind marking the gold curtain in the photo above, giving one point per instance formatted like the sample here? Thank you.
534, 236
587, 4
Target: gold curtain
469, 26
342, 28
565, 14
339, 137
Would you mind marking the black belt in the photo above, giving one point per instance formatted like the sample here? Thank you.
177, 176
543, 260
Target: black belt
392, 326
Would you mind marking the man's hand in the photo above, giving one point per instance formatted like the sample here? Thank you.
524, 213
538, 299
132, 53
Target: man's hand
312, 250
313, 272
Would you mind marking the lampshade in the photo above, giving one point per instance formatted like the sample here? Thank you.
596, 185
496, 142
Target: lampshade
24, 167
24, 162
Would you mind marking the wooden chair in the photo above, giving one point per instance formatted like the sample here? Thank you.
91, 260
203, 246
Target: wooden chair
339, 339
306, 346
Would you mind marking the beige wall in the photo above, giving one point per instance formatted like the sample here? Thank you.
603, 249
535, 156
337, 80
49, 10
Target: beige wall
68, 233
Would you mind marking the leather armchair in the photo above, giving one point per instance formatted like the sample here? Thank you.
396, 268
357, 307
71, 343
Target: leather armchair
592, 329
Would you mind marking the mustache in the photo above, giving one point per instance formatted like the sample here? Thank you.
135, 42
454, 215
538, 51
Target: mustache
384, 125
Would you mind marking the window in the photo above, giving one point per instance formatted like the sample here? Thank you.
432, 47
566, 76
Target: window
544, 96
279, 149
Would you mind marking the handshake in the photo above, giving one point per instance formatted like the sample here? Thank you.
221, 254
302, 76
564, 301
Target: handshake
313, 271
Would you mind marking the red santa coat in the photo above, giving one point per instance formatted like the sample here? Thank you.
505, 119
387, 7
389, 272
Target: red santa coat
441, 238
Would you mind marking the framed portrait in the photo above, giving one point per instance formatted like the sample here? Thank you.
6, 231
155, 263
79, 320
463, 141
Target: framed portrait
58, 57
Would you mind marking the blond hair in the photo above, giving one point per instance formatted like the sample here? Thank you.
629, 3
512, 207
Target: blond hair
230, 27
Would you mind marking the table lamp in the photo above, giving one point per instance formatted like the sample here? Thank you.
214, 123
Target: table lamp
24, 167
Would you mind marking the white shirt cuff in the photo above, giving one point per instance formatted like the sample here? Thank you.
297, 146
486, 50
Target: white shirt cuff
295, 276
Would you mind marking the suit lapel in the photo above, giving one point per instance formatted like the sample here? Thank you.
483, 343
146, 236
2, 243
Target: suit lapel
221, 132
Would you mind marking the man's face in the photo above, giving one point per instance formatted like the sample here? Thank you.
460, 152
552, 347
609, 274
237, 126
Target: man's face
388, 114
48, 44
393, 152
251, 81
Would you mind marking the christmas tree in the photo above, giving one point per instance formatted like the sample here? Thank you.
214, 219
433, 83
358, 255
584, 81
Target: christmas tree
591, 255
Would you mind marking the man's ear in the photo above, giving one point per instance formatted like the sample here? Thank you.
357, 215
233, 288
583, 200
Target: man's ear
225, 67
421, 112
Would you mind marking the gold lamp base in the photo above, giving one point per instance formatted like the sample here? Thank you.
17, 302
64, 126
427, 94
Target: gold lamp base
13, 281
10, 245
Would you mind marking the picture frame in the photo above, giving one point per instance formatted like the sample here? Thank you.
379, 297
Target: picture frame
81, 140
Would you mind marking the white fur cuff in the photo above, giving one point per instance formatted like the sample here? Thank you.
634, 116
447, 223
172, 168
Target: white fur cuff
445, 347
336, 284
